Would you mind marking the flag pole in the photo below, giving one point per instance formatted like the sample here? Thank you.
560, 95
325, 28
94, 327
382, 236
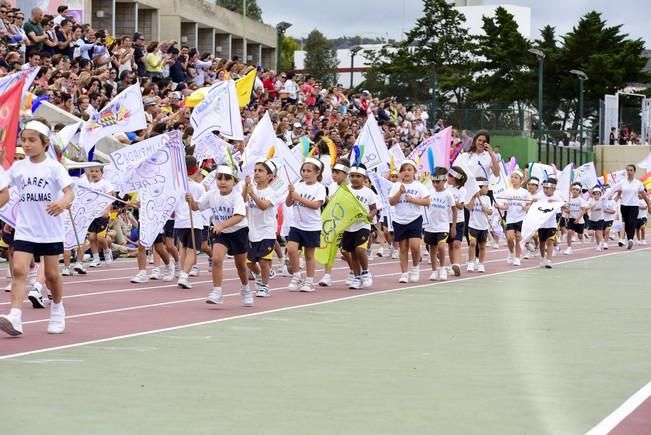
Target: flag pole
194, 242
74, 228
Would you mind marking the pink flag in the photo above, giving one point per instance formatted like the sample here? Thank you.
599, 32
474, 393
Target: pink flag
440, 145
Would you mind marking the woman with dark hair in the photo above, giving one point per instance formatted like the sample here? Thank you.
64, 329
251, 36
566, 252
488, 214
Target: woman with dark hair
481, 158
630, 191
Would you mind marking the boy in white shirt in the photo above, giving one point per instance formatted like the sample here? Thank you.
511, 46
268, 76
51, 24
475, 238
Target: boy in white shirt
478, 225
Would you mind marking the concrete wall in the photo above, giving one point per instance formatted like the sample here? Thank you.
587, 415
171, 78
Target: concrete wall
148, 23
615, 157
223, 40
125, 19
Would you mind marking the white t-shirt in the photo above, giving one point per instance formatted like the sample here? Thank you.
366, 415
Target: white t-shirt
478, 161
540, 197
367, 197
305, 218
182, 212
610, 204
516, 200
596, 212
224, 207
102, 186
38, 185
439, 211
263, 223
643, 209
4, 179
478, 219
630, 191
459, 195
575, 205
406, 212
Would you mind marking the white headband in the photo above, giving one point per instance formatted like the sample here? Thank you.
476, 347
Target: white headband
454, 174
482, 183
37, 126
408, 162
315, 162
357, 170
596, 189
548, 184
534, 181
224, 169
518, 172
269, 164
340, 167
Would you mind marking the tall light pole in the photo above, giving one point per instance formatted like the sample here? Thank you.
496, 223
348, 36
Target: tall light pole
281, 28
353, 52
541, 60
582, 77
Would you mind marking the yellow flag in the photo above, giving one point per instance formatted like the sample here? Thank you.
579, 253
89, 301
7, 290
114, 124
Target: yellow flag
244, 88
342, 211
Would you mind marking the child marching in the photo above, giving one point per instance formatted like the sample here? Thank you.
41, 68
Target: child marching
442, 224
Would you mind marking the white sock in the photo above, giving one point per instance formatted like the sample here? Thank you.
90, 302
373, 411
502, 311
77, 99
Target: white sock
309, 279
297, 275
184, 275
16, 313
217, 290
57, 307
244, 287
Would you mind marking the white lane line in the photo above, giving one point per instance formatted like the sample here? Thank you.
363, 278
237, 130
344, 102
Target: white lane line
278, 310
624, 410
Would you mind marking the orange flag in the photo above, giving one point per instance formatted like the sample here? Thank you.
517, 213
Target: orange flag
9, 118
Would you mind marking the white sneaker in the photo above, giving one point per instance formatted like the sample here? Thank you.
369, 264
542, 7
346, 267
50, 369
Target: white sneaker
568, 251
194, 271
548, 264
177, 270
8, 287
435, 275
11, 326
326, 281
480, 268
556, 251
369, 254
155, 274
404, 277
140, 278
456, 269
169, 275
496, 245
380, 252
215, 297
516, 261
367, 280
525, 256
349, 279
630, 245
414, 274
470, 267
80, 268
183, 282
542, 262
108, 256
95, 263
395, 254
66, 271
643, 242
443, 274
247, 297
509, 259
272, 274
308, 287
36, 298
263, 291
294, 284
605, 246
150, 258
356, 284
598, 248
284, 271
57, 322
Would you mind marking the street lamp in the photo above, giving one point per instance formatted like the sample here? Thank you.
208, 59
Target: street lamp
541, 60
582, 77
353, 52
281, 28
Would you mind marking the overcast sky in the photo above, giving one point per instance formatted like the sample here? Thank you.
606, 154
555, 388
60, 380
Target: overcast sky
374, 18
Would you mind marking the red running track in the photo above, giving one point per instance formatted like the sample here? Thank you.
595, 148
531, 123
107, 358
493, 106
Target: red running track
104, 304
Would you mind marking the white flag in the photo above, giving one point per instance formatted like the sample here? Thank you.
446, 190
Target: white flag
8, 211
541, 171
209, 146
564, 181
123, 113
375, 149
538, 213
161, 182
262, 139
219, 111
86, 206
289, 167
8, 81
398, 156
383, 187
63, 137
128, 158
587, 175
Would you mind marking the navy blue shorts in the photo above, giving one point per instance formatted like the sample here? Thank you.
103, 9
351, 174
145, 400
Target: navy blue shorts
160, 238
433, 239
184, 236
608, 225
39, 249
236, 243
205, 234
639, 223
573, 226
8, 237
352, 240
412, 230
98, 225
305, 239
514, 226
262, 250
545, 234
479, 235
169, 228
596, 225
461, 227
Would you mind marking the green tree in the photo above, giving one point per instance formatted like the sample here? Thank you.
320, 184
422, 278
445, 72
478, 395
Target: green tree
320, 58
438, 44
289, 46
253, 11
505, 70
